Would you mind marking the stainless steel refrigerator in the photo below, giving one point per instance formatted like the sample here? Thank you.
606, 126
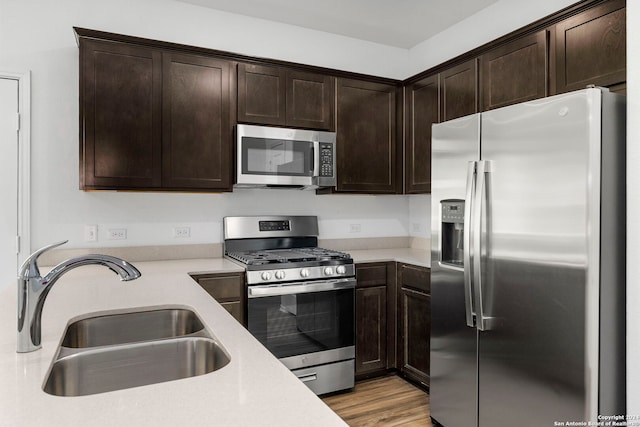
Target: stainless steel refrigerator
528, 263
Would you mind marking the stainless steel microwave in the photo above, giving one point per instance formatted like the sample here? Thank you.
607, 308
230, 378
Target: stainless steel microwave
286, 158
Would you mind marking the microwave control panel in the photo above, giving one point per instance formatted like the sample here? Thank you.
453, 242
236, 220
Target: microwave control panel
326, 159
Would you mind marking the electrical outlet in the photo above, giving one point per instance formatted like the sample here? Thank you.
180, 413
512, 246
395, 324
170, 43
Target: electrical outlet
90, 233
117, 233
181, 232
415, 227
355, 228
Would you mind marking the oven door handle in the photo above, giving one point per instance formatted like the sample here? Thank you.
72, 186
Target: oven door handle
259, 291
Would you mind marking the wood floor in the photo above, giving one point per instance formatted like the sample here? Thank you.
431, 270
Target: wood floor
387, 401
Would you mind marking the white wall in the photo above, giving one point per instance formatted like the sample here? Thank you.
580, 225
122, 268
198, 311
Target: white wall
633, 207
420, 215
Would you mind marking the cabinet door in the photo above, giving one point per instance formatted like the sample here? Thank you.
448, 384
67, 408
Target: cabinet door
228, 290
310, 99
120, 116
197, 124
422, 109
371, 329
367, 143
514, 72
261, 94
459, 91
415, 330
591, 48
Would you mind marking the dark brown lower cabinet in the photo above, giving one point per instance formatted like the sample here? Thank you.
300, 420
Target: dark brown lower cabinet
371, 329
414, 322
229, 290
375, 318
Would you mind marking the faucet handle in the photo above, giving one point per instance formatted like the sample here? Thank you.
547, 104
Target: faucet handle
29, 267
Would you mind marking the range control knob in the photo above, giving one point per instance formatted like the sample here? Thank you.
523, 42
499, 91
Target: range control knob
341, 269
280, 274
304, 272
265, 275
328, 271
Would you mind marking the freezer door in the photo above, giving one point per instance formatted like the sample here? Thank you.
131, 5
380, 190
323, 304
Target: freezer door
453, 381
539, 261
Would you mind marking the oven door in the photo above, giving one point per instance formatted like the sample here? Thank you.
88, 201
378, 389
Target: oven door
305, 323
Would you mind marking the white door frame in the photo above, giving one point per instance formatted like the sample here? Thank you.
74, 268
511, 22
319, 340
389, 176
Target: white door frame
24, 160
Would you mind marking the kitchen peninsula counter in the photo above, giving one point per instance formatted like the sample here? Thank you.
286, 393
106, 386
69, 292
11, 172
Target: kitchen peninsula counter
254, 389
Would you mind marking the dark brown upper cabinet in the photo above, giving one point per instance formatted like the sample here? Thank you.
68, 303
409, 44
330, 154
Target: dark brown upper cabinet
368, 145
422, 109
153, 119
120, 116
310, 100
591, 48
459, 90
283, 97
514, 72
197, 125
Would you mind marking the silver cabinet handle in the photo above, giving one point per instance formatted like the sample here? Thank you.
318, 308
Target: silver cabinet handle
466, 243
299, 288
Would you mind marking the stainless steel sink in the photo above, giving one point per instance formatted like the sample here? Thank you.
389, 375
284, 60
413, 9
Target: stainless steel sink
119, 351
132, 365
138, 326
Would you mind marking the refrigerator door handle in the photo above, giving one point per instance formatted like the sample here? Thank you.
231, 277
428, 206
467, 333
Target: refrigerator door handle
466, 244
483, 168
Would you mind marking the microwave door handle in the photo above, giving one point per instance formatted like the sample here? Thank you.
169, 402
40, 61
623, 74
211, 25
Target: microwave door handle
315, 158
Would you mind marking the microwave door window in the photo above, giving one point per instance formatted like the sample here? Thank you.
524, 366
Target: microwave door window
263, 156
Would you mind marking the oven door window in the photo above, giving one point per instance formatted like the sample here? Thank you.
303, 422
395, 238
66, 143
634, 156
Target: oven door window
291, 325
265, 156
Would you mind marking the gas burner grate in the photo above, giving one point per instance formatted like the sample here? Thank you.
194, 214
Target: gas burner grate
275, 256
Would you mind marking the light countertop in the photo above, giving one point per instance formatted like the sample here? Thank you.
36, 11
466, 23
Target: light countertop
254, 389
407, 255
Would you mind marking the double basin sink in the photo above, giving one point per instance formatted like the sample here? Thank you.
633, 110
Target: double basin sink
118, 351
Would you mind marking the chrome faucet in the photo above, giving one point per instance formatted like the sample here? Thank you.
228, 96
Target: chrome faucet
33, 290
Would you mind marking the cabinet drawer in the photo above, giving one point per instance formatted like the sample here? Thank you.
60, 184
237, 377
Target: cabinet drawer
223, 288
373, 274
415, 277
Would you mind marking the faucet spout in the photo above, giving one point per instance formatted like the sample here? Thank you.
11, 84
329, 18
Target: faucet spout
33, 290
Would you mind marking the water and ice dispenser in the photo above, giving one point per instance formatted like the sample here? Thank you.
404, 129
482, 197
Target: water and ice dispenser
452, 249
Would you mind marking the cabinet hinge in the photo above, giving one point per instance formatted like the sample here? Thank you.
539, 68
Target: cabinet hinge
17, 122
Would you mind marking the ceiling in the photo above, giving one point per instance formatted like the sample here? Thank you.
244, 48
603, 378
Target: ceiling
399, 23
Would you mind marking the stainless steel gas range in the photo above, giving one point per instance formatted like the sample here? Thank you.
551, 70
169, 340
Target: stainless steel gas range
300, 297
